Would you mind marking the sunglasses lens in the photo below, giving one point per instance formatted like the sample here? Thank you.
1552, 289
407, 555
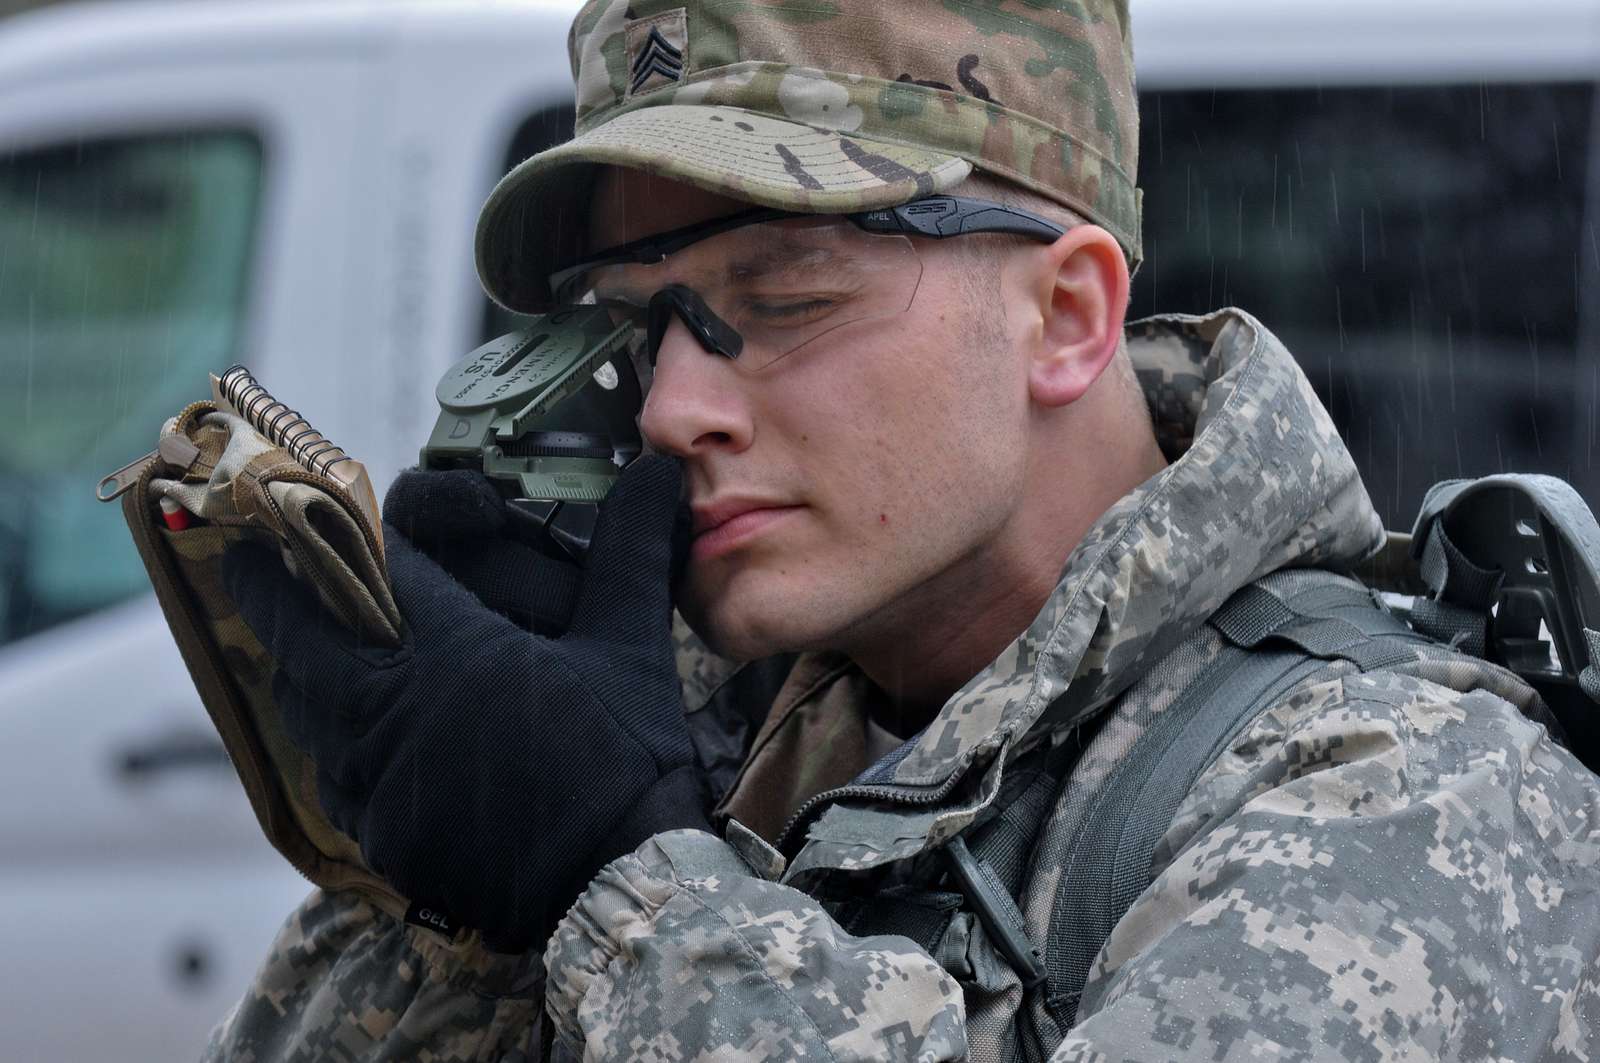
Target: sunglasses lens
777, 287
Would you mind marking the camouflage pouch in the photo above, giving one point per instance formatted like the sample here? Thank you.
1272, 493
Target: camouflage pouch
221, 482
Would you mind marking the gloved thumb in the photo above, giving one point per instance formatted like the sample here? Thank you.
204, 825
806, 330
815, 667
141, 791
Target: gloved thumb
640, 543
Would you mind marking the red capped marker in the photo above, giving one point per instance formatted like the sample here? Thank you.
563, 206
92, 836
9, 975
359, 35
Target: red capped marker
176, 516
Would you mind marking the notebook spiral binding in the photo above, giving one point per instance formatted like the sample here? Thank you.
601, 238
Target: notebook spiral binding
275, 420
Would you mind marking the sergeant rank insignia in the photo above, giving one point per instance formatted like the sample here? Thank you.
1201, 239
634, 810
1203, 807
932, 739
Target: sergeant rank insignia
657, 50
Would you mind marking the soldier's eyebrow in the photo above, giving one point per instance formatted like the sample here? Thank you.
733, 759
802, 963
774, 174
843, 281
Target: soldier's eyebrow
618, 299
756, 263
775, 253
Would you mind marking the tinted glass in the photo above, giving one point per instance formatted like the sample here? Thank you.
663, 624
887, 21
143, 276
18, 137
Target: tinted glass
1424, 252
122, 276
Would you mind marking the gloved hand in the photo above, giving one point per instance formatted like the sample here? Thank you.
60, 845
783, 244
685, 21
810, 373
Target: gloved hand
485, 770
492, 548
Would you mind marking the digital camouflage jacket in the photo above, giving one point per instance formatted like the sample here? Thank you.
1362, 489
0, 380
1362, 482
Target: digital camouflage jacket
1390, 864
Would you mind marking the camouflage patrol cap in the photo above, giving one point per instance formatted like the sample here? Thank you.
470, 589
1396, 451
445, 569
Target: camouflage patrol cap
828, 106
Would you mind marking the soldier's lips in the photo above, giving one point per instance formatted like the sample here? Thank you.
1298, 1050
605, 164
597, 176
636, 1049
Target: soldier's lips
730, 533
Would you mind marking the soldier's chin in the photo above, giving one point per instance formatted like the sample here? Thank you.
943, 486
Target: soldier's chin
746, 627
727, 637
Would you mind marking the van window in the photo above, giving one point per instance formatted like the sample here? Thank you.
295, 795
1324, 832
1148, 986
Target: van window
1425, 252
123, 267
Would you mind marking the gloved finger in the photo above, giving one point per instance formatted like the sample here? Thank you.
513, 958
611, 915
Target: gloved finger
346, 809
458, 518
309, 646
626, 594
435, 606
419, 862
325, 733
436, 505
534, 591
343, 806
295, 707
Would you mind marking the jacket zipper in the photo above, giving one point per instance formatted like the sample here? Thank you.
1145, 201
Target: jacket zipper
891, 794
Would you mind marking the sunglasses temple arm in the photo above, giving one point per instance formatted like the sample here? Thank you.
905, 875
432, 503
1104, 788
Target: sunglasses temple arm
941, 217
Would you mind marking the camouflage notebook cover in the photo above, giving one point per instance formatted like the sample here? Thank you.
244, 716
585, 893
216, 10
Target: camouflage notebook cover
213, 481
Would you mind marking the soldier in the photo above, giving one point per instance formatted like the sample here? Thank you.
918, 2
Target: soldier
956, 534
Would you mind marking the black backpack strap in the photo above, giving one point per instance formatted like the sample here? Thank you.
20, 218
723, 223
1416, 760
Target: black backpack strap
1456, 611
1279, 632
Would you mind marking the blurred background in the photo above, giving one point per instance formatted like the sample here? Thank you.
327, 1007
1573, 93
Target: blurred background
1407, 194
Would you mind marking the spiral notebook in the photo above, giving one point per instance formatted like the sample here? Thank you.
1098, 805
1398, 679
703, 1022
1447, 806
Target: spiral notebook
237, 391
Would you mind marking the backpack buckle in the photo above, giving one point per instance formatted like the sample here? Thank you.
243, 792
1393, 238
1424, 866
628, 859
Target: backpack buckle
998, 913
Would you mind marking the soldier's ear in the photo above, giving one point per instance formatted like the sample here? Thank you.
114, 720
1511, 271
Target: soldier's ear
1079, 289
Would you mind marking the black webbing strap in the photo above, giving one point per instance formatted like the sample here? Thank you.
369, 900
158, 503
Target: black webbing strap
1458, 610
990, 873
1516, 557
1255, 615
1589, 678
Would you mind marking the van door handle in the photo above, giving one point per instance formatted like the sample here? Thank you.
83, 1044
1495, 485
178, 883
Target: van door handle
180, 750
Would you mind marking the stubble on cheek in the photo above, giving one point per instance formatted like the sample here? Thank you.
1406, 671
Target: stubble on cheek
882, 464
791, 596
744, 613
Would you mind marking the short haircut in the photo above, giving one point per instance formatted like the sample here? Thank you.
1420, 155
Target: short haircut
982, 278
984, 252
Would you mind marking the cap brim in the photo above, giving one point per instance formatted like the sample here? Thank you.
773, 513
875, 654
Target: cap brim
534, 221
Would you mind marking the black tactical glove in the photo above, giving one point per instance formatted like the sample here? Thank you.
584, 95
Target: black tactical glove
485, 770
494, 549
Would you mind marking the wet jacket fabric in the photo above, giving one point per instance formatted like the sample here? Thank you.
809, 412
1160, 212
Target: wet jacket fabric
1390, 864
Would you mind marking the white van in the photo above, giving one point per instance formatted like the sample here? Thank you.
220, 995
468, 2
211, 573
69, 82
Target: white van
184, 185
1408, 193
